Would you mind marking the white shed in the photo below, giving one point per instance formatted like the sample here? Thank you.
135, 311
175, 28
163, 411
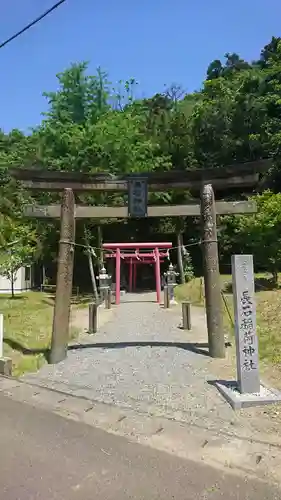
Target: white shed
22, 283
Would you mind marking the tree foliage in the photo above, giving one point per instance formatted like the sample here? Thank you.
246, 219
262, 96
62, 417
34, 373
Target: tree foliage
18, 249
258, 233
92, 125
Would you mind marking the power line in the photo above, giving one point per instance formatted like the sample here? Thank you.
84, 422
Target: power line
51, 9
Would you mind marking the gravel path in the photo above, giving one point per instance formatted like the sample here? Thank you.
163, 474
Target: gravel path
141, 359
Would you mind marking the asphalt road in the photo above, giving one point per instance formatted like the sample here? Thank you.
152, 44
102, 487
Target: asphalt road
44, 456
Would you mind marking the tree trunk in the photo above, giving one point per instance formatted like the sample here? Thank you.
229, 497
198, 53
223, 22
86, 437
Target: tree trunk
180, 261
275, 278
43, 274
92, 273
12, 284
91, 267
100, 241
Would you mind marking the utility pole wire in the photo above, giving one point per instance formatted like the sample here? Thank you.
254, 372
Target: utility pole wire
37, 20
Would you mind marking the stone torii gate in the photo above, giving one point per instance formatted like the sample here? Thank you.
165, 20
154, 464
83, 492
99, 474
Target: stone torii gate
201, 181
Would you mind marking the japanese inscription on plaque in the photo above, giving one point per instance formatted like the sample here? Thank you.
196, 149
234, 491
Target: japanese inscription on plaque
137, 191
245, 323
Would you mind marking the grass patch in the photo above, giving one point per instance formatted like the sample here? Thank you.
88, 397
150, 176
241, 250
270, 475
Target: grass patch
268, 311
27, 329
82, 301
78, 301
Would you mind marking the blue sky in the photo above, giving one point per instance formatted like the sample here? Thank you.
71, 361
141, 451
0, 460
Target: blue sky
155, 41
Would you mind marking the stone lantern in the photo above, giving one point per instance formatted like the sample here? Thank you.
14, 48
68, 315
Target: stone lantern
171, 280
104, 282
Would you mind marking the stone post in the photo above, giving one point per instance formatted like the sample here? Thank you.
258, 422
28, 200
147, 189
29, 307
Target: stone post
214, 311
60, 332
186, 315
5, 363
93, 317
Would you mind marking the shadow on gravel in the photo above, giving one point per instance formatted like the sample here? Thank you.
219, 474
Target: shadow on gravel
138, 301
24, 350
198, 348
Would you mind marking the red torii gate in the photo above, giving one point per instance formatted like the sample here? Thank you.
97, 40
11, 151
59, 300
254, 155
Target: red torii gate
155, 254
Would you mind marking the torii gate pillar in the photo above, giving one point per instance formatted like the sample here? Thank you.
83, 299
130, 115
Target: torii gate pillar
118, 275
157, 275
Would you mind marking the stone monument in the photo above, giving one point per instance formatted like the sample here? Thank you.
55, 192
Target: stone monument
248, 390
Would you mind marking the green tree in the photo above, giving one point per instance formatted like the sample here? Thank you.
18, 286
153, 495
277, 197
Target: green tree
259, 234
269, 52
91, 126
80, 98
227, 125
18, 250
233, 64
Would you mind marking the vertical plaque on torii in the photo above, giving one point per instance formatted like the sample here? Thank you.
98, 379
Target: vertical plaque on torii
137, 197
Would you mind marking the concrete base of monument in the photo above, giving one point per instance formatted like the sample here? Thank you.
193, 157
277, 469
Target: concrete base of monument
231, 393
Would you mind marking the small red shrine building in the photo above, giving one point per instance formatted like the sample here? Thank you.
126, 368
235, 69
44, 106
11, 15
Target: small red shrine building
135, 254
